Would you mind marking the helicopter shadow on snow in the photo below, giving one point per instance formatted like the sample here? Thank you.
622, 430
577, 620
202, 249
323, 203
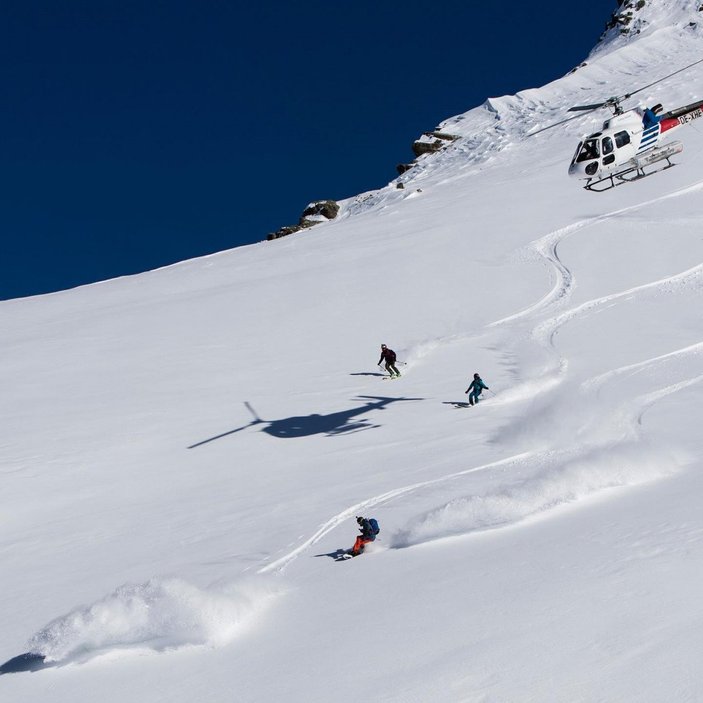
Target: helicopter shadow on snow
331, 424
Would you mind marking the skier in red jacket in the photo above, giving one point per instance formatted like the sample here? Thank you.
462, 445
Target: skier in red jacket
389, 356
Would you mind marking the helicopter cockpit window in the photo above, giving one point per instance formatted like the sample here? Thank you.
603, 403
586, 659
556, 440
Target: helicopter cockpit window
588, 151
607, 145
622, 138
577, 152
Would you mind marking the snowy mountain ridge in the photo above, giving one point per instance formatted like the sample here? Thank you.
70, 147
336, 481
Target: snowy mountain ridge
184, 452
635, 17
503, 123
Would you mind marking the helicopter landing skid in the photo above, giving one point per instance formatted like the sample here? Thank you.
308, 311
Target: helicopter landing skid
636, 171
627, 176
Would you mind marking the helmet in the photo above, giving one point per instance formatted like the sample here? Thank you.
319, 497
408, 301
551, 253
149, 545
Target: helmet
383, 346
360, 520
476, 375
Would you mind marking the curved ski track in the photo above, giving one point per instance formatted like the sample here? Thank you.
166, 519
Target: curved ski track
544, 334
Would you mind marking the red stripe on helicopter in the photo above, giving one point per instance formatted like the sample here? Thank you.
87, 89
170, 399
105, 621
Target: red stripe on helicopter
681, 116
668, 124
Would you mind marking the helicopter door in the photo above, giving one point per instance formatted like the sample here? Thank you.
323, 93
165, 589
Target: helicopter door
608, 148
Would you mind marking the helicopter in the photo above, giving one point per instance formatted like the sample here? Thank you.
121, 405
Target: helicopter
629, 142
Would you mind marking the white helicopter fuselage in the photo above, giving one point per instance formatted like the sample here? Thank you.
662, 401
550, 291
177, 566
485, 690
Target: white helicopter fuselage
628, 142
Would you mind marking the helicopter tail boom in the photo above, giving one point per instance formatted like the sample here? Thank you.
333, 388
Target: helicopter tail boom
681, 116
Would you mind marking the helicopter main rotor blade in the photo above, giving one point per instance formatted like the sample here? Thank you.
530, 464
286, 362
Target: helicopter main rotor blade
618, 99
568, 119
644, 87
585, 109
581, 108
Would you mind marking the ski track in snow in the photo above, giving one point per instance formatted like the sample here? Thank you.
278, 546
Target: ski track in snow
571, 475
598, 381
564, 480
655, 396
548, 329
546, 247
573, 453
545, 332
557, 485
564, 476
375, 501
579, 476
163, 615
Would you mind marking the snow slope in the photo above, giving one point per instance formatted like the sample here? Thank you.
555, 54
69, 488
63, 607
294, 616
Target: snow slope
183, 450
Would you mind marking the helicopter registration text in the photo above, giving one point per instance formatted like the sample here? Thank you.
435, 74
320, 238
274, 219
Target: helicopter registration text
685, 119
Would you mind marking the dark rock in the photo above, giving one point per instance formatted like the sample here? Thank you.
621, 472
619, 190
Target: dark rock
443, 136
329, 209
284, 231
439, 139
316, 212
420, 148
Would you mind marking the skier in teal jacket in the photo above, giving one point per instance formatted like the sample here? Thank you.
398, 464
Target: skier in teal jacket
476, 387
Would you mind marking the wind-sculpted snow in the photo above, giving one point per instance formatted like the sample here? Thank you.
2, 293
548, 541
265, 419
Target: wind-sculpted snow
565, 480
157, 615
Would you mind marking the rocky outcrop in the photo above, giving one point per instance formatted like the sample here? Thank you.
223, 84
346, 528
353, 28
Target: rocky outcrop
284, 231
326, 210
314, 213
321, 210
431, 142
635, 16
622, 18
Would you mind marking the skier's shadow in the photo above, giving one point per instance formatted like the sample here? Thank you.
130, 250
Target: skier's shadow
368, 373
343, 422
24, 662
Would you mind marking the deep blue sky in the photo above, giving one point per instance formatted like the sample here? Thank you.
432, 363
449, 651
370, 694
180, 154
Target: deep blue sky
137, 134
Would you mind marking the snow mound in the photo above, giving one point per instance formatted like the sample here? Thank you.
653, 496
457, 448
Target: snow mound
566, 482
158, 615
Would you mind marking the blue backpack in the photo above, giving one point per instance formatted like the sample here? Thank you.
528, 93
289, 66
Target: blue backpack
375, 529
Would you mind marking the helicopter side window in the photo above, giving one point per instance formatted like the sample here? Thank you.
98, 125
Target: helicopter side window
622, 138
607, 145
588, 151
